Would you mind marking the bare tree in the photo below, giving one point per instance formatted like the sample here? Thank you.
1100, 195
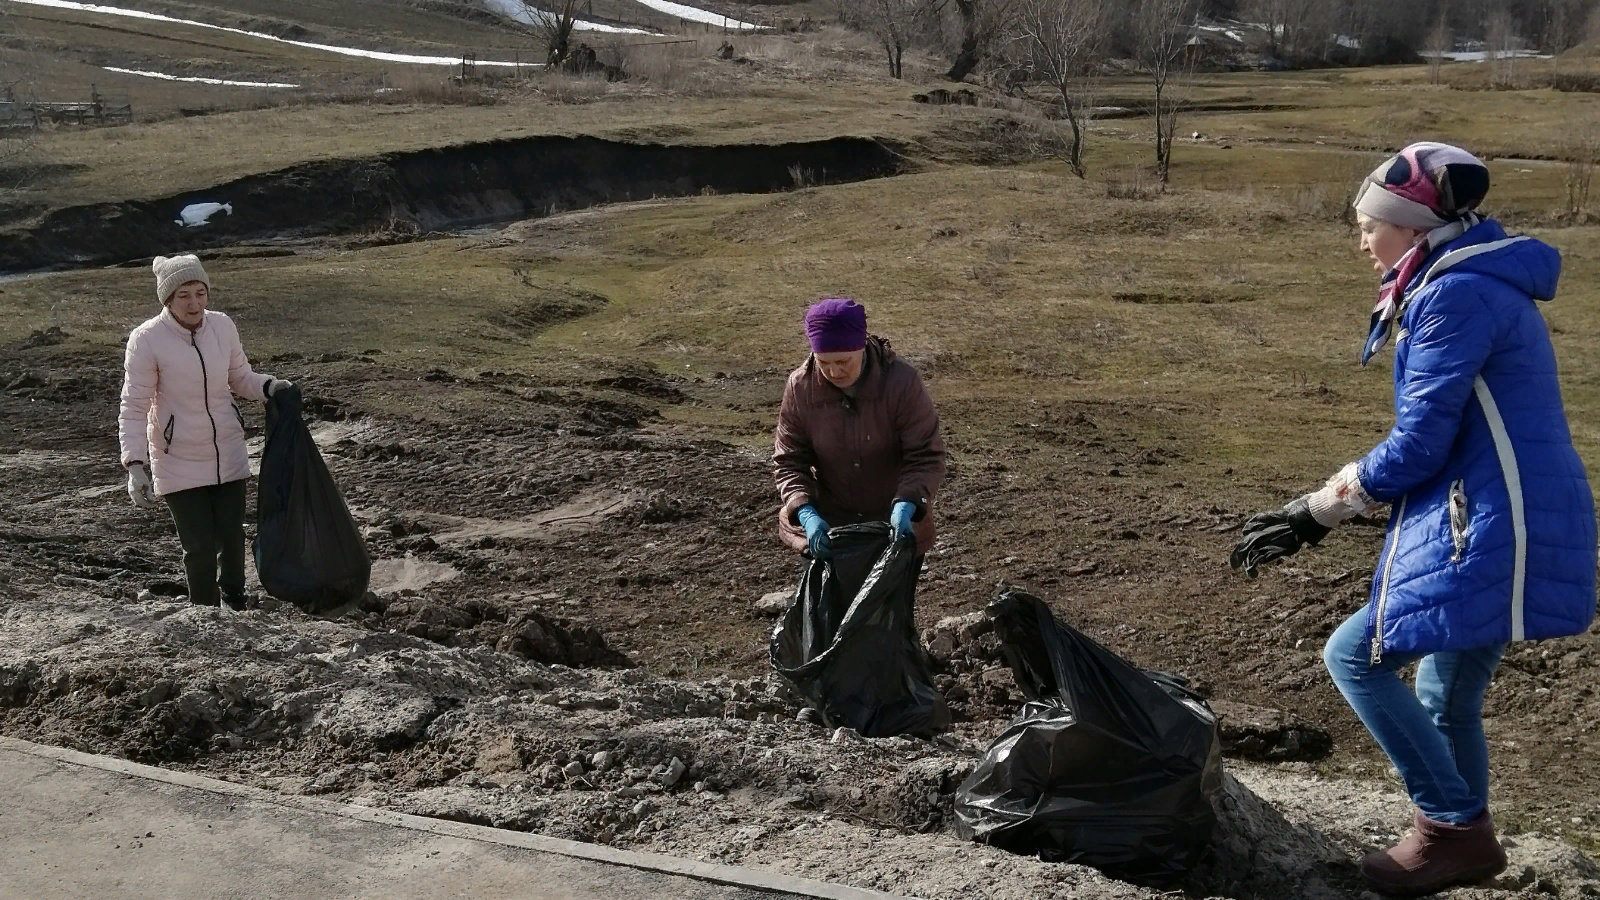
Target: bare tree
554, 27
1164, 36
1066, 40
1563, 26
1440, 41
1502, 43
1290, 26
980, 24
895, 24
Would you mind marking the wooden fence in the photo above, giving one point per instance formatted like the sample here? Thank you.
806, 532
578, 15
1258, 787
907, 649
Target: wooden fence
99, 109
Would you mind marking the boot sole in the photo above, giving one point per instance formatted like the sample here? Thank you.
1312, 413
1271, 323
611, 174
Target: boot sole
1465, 879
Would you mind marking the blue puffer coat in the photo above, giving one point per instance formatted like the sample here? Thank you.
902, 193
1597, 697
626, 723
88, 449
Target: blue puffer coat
1492, 529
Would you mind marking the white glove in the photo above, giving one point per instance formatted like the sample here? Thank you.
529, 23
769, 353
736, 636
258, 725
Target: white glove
275, 385
140, 490
1341, 498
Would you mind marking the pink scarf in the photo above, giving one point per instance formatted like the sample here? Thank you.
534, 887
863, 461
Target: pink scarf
1391, 292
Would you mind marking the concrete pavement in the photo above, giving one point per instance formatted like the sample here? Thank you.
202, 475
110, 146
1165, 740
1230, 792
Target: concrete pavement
74, 825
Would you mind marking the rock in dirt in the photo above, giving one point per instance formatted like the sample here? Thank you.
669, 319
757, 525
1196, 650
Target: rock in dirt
500, 757
381, 719
537, 637
774, 604
157, 692
952, 633
146, 596
809, 716
573, 769
1253, 732
604, 761
674, 773
49, 337
843, 735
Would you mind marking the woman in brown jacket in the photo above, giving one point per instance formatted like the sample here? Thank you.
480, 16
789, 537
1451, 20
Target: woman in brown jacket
858, 437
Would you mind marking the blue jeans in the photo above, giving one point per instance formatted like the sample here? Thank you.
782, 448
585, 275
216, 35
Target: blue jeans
1434, 735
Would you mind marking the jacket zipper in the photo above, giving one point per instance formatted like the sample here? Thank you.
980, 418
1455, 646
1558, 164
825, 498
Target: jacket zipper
166, 433
205, 394
1383, 590
1458, 519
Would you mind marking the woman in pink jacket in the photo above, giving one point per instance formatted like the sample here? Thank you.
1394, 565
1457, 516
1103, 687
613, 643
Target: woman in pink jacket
182, 435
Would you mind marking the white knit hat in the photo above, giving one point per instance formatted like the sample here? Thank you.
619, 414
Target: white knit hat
172, 272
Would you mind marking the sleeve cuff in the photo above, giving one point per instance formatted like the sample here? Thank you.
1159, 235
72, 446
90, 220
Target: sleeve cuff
1360, 479
921, 504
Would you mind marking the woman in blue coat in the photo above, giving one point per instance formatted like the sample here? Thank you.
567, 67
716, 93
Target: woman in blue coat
1491, 525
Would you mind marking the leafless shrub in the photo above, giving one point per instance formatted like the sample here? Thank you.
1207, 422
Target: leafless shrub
562, 87
1502, 44
415, 86
1164, 31
1132, 188
1065, 42
894, 23
1440, 40
17, 141
1582, 155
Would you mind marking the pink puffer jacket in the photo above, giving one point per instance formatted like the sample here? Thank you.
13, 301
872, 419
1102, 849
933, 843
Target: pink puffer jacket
178, 412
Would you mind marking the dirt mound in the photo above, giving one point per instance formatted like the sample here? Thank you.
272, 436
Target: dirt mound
529, 634
718, 769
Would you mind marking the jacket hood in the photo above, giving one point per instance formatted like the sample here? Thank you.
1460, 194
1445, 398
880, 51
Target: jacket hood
1527, 264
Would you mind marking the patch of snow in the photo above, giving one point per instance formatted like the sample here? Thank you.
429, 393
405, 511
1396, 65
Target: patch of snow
695, 14
222, 81
1483, 55
1231, 32
197, 214
517, 11
1347, 42
380, 55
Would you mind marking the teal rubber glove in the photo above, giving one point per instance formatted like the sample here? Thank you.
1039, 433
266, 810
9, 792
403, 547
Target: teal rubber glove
900, 518
816, 532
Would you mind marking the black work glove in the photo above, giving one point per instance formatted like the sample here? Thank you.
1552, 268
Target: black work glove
1274, 535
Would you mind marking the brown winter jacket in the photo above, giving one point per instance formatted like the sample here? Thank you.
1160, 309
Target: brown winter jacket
852, 459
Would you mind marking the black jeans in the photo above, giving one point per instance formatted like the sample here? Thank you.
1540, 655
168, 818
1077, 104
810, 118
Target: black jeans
210, 524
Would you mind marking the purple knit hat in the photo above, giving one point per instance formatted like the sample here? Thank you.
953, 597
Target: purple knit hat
1425, 186
836, 325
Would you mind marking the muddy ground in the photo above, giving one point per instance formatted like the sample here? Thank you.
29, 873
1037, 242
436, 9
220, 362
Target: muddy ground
566, 604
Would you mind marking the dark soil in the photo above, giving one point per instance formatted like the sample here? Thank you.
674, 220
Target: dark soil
418, 192
567, 527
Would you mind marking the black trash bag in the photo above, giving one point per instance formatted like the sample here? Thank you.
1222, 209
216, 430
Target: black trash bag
848, 643
1106, 765
308, 549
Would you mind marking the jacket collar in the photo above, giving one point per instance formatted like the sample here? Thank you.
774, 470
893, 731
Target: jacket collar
179, 328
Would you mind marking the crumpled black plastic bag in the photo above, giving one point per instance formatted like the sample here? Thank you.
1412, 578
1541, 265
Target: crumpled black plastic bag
848, 643
308, 549
1106, 765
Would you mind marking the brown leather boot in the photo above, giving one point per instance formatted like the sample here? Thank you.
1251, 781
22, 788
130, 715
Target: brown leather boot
1436, 856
